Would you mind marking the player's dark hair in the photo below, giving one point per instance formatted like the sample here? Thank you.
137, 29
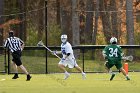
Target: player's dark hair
11, 34
114, 42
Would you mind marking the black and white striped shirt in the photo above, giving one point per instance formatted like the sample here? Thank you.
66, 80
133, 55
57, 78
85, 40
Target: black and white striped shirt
13, 43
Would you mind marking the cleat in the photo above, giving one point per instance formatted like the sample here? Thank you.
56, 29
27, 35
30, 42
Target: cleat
83, 76
28, 78
66, 76
127, 78
15, 77
112, 76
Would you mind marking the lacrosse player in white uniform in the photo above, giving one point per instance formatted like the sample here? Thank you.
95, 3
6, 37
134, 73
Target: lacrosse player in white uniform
68, 58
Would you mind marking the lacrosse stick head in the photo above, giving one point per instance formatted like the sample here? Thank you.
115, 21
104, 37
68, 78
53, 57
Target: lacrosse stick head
130, 58
40, 43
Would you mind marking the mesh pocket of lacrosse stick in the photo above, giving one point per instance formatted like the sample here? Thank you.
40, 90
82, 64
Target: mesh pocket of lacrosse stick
129, 58
40, 43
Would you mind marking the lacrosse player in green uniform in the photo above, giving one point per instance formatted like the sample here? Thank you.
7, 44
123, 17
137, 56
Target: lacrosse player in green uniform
113, 55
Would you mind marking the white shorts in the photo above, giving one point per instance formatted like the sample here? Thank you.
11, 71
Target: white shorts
71, 63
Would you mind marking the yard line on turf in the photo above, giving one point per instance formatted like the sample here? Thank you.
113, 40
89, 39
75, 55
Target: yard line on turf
2, 79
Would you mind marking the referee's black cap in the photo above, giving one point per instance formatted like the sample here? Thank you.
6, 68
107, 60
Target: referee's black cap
11, 33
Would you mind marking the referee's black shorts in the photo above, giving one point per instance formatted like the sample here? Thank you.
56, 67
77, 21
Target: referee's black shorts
17, 57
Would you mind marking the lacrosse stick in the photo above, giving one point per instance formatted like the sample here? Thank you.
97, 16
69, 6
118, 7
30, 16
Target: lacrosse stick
129, 58
40, 43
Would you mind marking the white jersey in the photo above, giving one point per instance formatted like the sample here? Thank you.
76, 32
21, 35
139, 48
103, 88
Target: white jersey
70, 60
67, 48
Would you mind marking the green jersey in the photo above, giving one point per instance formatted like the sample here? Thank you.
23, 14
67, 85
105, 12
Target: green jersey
113, 53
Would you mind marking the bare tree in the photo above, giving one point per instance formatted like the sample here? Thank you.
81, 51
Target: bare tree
40, 22
75, 23
58, 11
120, 5
114, 18
130, 24
75, 27
89, 21
96, 23
1, 20
94, 34
22, 16
105, 17
82, 17
65, 14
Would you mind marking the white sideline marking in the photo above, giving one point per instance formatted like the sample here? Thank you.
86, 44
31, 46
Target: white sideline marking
3, 79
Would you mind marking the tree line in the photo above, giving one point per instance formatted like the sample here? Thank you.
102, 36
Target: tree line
84, 21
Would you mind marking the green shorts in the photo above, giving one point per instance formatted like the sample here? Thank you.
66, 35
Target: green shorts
111, 63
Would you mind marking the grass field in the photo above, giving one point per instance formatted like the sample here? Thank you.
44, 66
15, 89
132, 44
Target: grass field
54, 83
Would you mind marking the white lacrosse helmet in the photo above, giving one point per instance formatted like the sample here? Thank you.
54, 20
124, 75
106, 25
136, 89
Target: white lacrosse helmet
113, 40
64, 38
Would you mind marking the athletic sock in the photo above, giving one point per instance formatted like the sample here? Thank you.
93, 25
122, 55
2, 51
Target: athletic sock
127, 76
112, 76
66, 72
83, 72
111, 73
16, 74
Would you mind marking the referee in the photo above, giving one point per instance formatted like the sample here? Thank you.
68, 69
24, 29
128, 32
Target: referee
16, 45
